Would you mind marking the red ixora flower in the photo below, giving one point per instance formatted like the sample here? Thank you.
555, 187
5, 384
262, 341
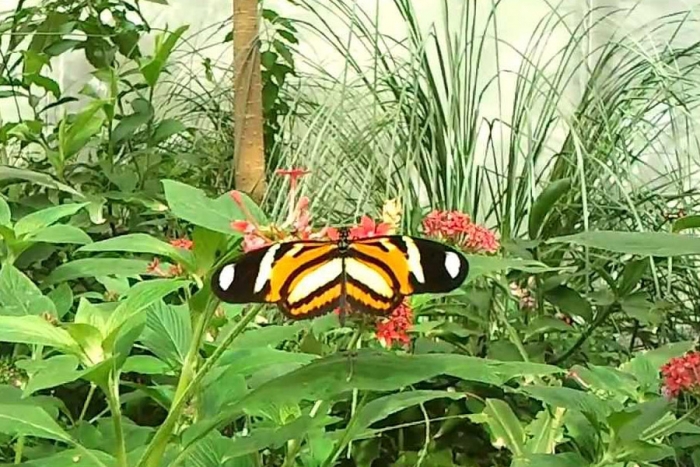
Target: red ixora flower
184, 243
458, 228
367, 228
395, 327
681, 374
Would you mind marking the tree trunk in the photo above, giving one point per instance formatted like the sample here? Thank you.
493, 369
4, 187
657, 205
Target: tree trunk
249, 154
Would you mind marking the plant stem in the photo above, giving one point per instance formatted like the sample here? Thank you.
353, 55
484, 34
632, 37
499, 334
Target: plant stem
19, 449
116, 414
189, 379
88, 399
295, 444
600, 319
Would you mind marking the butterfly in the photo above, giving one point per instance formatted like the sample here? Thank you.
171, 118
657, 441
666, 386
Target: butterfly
309, 278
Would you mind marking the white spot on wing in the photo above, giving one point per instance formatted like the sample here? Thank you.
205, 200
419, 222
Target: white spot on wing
315, 280
226, 276
414, 260
368, 276
452, 264
265, 268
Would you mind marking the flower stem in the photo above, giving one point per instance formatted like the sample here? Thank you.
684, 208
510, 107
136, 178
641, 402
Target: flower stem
116, 415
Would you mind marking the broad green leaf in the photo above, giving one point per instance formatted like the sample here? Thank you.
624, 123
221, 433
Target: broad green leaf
635, 243
140, 297
640, 451
544, 203
19, 296
5, 214
569, 301
166, 129
96, 317
62, 298
38, 178
73, 458
645, 365
639, 307
546, 431
91, 267
146, 365
39, 220
648, 416
611, 380
247, 360
380, 408
168, 332
140, 243
49, 373
569, 399
26, 420
504, 426
480, 265
128, 125
266, 336
35, 330
192, 205
60, 234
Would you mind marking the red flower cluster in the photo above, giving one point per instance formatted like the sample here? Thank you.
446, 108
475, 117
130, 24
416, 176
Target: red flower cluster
395, 327
458, 228
681, 374
184, 243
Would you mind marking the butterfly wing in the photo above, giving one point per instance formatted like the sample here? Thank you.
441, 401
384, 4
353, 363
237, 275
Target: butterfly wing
405, 266
303, 278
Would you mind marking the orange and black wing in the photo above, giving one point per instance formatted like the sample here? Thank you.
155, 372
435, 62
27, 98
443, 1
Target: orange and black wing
304, 278
381, 271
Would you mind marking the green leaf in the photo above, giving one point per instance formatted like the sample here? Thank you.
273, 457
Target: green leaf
39, 220
544, 203
544, 324
49, 373
146, 365
635, 243
91, 267
73, 458
569, 399
165, 43
140, 243
638, 306
546, 431
504, 426
168, 332
141, 296
5, 213
19, 296
166, 129
38, 178
62, 298
380, 408
645, 365
480, 265
128, 125
687, 222
631, 275
26, 420
192, 205
568, 459
60, 234
569, 301
61, 46
74, 136
35, 330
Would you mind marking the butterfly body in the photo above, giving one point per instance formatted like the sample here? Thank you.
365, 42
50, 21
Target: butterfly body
310, 278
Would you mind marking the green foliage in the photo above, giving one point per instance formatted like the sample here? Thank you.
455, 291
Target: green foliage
113, 351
